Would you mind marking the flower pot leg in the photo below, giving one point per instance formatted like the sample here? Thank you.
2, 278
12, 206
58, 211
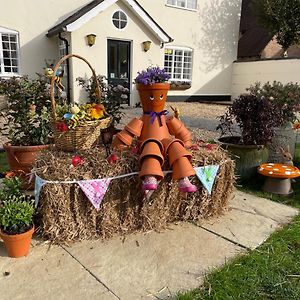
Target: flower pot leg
278, 186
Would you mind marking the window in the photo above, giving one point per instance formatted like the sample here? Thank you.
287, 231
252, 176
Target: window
62, 52
178, 63
119, 19
190, 4
9, 52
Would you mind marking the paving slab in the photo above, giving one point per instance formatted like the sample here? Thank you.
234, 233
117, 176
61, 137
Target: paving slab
250, 219
147, 266
47, 273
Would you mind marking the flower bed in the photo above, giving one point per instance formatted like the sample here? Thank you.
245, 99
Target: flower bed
66, 215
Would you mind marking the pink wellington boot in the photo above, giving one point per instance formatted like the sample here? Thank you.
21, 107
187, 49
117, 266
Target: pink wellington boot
149, 183
185, 186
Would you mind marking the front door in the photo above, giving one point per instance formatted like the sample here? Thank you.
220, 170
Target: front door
119, 64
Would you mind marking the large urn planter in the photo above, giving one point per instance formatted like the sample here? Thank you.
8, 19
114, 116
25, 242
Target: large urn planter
285, 137
247, 157
17, 245
21, 158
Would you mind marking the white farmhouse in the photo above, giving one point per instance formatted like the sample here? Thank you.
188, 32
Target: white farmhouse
196, 41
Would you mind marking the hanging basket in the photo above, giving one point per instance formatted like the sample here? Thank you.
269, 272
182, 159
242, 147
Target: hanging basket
82, 137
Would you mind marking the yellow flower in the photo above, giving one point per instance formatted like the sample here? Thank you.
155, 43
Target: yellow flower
96, 112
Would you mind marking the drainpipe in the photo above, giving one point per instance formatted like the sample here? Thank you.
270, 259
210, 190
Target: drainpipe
68, 68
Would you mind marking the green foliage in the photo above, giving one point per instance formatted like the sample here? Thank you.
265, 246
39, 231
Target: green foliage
11, 187
111, 96
3, 162
286, 98
16, 215
281, 18
28, 115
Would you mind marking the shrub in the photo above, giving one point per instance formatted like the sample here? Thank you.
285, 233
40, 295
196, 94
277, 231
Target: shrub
256, 116
285, 97
16, 215
28, 114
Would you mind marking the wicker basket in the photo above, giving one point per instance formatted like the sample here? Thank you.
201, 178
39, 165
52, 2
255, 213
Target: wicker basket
81, 137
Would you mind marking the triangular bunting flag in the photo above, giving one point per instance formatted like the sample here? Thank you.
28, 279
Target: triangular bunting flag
95, 190
207, 176
39, 182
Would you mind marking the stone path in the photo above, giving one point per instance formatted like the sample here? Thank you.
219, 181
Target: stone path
142, 266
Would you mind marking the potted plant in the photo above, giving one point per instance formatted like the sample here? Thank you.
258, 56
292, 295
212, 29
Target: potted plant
110, 96
27, 120
286, 98
16, 218
256, 116
154, 79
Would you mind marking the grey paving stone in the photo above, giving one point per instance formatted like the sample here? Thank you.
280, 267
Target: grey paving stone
47, 273
145, 266
250, 220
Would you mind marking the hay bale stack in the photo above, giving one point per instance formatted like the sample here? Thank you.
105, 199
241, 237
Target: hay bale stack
66, 215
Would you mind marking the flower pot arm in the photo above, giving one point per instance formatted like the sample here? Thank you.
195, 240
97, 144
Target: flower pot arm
124, 138
177, 128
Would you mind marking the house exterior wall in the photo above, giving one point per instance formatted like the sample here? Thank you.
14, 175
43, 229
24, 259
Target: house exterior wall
247, 73
102, 26
32, 19
211, 32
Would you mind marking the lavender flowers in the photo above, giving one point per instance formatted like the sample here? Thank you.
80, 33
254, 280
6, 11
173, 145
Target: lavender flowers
152, 75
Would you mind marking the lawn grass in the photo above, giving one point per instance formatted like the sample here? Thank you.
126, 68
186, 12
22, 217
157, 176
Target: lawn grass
3, 162
271, 271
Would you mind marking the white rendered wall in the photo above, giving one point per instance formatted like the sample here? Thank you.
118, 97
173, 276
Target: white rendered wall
247, 73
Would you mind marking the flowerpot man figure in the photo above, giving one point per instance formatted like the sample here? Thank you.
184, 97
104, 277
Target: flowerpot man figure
161, 136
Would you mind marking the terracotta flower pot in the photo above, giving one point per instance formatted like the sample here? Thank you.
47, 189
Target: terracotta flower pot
135, 127
174, 125
153, 96
21, 158
151, 166
153, 149
182, 168
176, 151
17, 245
125, 137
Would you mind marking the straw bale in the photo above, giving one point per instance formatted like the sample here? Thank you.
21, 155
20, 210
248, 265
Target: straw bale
66, 215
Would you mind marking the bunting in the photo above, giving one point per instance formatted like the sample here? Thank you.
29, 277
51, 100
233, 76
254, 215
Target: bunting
207, 176
95, 190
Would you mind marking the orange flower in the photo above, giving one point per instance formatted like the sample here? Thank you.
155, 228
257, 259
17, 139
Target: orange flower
296, 125
97, 111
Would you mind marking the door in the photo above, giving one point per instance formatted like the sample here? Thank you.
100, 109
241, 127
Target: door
119, 64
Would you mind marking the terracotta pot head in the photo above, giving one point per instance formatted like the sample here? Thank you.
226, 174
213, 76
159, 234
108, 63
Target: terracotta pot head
153, 96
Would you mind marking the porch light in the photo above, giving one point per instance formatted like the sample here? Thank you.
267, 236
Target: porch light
91, 39
146, 45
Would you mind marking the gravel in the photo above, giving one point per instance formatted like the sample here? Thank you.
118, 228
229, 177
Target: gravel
201, 118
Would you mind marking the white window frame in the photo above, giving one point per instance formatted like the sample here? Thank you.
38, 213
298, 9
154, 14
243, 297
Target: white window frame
185, 7
4, 30
113, 19
62, 51
187, 49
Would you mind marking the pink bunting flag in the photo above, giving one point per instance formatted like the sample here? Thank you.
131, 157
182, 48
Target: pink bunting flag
95, 190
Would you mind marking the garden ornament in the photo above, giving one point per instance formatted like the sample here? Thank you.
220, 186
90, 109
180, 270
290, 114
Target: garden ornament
59, 74
161, 138
287, 157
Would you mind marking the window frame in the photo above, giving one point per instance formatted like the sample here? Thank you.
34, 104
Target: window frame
62, 51
185, 7
114, 19
4, 74
180, 48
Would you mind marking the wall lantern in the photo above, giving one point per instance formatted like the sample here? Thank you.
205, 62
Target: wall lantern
146, 45
91, 39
